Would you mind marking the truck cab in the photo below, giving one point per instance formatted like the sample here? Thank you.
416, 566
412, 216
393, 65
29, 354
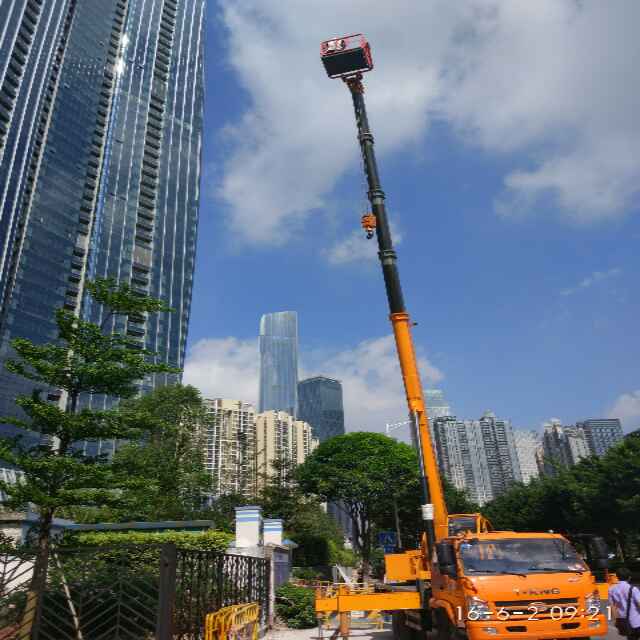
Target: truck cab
463, 522
513, 585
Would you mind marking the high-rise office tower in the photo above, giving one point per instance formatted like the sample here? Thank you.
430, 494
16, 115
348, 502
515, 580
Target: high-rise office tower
601, 434
279, 362
528, 443
320, 404
230, 442
101, 106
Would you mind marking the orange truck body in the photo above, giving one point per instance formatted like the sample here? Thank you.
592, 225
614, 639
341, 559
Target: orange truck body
534, 605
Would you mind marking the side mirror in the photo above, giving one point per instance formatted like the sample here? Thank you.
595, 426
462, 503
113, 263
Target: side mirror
446, 559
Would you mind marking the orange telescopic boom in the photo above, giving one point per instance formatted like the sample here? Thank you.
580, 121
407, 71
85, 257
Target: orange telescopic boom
347, 58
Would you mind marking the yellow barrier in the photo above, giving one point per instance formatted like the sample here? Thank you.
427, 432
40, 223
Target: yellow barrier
375, 618
237, 621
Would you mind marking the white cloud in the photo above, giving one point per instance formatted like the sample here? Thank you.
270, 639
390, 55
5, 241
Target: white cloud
371, 382
369, 372
589, 281
627, 408
224, 368
356, 248
553, 80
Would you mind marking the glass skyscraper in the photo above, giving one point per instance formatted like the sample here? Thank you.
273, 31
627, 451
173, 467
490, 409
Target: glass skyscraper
279, 362
101, 109
320, 404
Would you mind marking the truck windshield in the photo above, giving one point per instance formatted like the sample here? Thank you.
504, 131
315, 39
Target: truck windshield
520, 556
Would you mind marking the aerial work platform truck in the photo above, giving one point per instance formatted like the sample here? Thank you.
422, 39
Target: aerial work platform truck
466, 580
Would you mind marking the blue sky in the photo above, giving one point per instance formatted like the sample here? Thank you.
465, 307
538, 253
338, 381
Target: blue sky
508, 148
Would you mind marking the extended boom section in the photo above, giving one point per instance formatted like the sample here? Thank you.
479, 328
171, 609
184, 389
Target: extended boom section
434, 509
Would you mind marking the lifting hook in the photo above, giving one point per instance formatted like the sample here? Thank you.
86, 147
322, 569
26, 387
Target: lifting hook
369, 224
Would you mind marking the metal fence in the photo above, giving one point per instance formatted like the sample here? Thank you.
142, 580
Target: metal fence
207, 581
122, 593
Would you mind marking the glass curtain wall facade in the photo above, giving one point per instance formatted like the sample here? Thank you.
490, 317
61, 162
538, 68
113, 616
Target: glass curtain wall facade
279, 362
320, 404
101, 109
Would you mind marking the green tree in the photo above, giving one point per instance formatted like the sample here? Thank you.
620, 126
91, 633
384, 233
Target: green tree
457, 500
320, 540
86, 359
171, 460
363, 471
408, 503
598, 495
223, 511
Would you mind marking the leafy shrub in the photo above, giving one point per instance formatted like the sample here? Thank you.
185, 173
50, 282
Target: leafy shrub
307, 573
7, 543
295, 606
312, 550
340, 555
200, 541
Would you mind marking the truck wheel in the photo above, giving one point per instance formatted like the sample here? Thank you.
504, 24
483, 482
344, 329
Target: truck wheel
400, 630
442, 627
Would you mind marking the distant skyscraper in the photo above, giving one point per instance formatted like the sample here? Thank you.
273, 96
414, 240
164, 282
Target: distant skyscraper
101, 107
528, 444
320, 404
446, 442
601, 434
500, 447
437, 405
230, 441
478, 456
562, 446
279, 362
462, 456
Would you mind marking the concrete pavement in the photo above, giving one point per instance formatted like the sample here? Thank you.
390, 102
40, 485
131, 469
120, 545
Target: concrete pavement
367, 634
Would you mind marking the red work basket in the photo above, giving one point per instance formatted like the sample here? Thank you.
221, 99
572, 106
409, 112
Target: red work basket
346, 56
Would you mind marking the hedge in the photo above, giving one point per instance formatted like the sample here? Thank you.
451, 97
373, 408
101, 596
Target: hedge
209, 540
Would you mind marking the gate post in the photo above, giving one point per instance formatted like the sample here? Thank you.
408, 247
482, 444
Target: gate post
167, 591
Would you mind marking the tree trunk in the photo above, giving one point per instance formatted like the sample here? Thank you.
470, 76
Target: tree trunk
620, 547
39, 578
44, 547
366, 550
396, 517
366, 569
